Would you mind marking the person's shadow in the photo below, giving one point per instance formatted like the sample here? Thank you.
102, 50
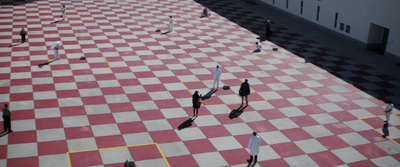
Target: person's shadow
165, 33
15, 45
385, 130
185, 124
256, 51
54, 22
208, 95
3, 134
46, 63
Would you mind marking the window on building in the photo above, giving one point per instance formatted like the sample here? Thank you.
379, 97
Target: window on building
336, 17
301, 7
341, 27
348, 28
318, 13
287, 4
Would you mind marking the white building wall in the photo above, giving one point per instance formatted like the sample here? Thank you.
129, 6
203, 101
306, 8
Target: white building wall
358, 14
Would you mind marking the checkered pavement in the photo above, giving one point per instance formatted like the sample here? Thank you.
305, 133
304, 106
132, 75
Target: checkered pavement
131, 97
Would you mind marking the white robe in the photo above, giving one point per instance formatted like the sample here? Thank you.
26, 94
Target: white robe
171, 24
63, 11
388, 110
259, 47
254, 145
217, 73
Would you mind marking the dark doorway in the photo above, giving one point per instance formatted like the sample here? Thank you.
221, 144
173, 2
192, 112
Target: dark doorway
377, 38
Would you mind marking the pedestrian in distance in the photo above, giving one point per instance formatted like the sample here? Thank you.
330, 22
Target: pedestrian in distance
388, 110
6, 119
244, 91
205, 13
171, 24
64, 12
217, 73
196, 101
55, 47
254, 147
268, 29
22, 33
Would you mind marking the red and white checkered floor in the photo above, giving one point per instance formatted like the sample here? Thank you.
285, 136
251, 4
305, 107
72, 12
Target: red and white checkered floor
131, 97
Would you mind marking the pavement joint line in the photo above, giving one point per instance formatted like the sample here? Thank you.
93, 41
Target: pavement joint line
379, 131
108, 148
79, 16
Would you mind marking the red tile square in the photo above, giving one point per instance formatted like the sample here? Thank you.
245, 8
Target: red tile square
3, 151
311, 109
317, 99
67, 93
182, 161
183, 122
274, 163
72, 111
373, 135
244, 140
155, 88
63, 79
26, 161
150, 115
370, 151
100, 77
112, 90
332, 142
288, 93
287, 149
272, 114
338, 128
280, 103
347, 105
214, 131
159, 136
296, 134
87, 85
49, 123
84, 159
21, 96
50, 103
23, 114
375, 122
22, 137
199, 146
16, 82
121, 107
323, 90
43, 87
304, 121
235, 157
93, 100
110, 141
139, 97
326, 158
262, 126
132, 127
52, 147
78, 132
180, 94
98, 119
224, 119
147, 152
169, 79
343, 116
170, 103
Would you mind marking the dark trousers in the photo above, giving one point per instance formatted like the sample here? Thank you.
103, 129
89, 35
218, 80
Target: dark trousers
6, 123
23, 38
251, 158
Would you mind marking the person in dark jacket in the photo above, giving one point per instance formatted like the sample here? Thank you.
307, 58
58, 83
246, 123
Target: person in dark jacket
196, 101
6, 119
22, 33
244, 91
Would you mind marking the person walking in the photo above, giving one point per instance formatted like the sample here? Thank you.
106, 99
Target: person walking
64, 12
244, 91
217, 73
196, 101
268, 29
22, 33
388, 110
6, 119
254, 147
171, 24
55, 47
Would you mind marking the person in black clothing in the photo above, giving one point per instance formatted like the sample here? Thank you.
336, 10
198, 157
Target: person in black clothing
244, 91
6, 119
22, 33
268, 29
196, 100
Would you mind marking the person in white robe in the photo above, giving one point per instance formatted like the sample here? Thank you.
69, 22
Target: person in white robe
55, 47
388, 110
217, 73
254, 147
64, 12
171, 24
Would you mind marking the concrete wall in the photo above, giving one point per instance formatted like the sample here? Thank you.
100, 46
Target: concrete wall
358, 14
